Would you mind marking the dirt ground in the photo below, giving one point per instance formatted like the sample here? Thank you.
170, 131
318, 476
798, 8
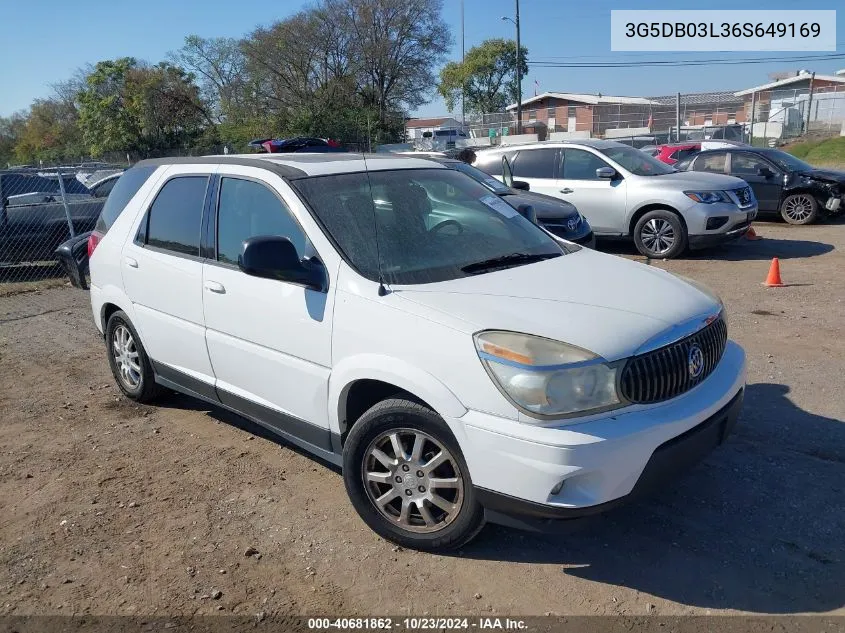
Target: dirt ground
111, 508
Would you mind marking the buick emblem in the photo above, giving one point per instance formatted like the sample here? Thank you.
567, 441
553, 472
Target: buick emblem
572, 224
695, 361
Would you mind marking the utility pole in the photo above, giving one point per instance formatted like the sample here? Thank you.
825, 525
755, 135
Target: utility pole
809, 104
463, 86
518, 68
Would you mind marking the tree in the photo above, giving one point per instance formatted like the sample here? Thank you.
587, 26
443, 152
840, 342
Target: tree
11, 129
487, 77
128, 106
49, 133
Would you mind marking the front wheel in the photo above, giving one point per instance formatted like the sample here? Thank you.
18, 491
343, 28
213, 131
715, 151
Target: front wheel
800, 208
407, 478
660, 234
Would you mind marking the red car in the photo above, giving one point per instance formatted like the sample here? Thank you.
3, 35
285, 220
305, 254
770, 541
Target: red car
673, 152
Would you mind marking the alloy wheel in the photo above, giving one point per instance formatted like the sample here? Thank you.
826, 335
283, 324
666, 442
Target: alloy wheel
658, 236
413, 480
798, 208
126, 357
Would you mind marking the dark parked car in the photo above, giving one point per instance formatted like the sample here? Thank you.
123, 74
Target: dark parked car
781, 182
33, 219
558, 217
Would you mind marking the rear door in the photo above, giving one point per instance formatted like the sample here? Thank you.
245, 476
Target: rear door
601, 200
162, 274
767, 188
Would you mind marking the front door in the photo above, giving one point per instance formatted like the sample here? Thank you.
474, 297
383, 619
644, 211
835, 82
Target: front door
269, 341
162, 274
601, 200
765, 179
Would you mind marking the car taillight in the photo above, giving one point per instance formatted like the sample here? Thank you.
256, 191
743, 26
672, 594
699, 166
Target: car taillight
93, 240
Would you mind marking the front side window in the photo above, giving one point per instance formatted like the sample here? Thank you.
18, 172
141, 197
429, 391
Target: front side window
711, 162
747, 165
535, 163
174, 220
248, 209
579, 164
421, 225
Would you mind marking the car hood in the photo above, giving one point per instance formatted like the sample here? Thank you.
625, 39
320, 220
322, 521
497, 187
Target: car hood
830, 175
546, 207
603, 303
692, 180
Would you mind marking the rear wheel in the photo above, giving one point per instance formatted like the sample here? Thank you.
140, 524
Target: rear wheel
407, 478
128, 360
660, 234
800, 208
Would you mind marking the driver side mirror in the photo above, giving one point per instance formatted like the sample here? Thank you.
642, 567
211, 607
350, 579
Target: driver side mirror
605, 173
275, 257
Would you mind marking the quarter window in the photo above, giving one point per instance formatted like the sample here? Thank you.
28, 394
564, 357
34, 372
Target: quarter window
249, 209
174, 220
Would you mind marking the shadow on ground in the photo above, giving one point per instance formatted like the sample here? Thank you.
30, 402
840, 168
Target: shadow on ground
741, 250
759, 526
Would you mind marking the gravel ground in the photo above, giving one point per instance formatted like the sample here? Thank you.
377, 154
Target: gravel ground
113, 508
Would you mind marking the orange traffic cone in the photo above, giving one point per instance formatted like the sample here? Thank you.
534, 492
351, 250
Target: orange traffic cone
751, 235
774, 280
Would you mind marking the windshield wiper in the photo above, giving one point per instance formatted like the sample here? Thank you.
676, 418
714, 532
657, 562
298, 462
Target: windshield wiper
506, 261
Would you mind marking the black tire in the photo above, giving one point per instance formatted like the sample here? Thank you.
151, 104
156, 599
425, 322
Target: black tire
799, 209
146, 388
650, 244
405, 416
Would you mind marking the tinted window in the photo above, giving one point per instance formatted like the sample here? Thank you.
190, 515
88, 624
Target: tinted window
124, 190
711, 162
431, 223
681, 154
581, 165
637, 162
175, 217
492, 162
479, 176
248, 209
747, 164
535, 163
103, 190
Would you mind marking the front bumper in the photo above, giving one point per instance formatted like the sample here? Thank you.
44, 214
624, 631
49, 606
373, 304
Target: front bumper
715, 239
574, 470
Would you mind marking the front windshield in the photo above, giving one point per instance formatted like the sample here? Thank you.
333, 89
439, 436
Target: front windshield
431, 224
485, 179
637, 162
787, 162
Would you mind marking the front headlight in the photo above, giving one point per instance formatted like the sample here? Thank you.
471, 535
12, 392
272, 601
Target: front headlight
546, 377
708, 197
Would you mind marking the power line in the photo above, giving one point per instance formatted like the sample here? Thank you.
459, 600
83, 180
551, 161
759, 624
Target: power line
685, 62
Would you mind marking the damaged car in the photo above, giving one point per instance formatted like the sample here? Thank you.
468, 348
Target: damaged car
782, 183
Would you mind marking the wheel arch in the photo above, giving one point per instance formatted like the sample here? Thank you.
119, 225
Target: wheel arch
654, 206
359, 382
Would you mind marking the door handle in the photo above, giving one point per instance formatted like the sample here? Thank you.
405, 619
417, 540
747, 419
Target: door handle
214, 286
131, 262
567, 190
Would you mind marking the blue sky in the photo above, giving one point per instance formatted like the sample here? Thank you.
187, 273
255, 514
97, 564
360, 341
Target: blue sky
44, 41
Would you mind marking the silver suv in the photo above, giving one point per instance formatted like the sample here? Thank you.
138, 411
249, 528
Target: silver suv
624, 192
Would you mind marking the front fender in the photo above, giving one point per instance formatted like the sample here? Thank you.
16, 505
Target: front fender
395, 372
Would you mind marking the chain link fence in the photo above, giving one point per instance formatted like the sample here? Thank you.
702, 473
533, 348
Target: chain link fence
40, 209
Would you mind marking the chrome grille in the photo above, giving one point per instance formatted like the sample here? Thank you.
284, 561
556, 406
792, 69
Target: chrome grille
665, 373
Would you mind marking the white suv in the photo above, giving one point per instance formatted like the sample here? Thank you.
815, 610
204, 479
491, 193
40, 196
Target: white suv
625, 193
394, 317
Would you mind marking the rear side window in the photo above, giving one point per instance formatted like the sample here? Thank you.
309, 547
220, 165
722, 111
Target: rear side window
124, 190
249, 209
174, 220
535, 163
